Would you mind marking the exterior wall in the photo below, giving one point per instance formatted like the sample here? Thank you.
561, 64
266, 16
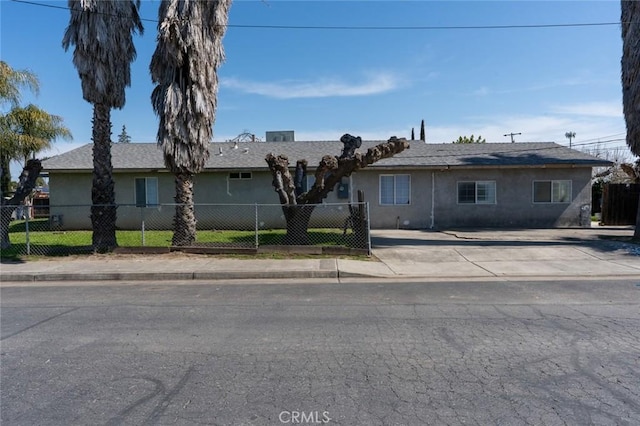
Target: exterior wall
70, 198
514, 206
415, 215
430, 206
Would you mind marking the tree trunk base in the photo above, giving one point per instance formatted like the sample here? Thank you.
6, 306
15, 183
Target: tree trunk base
297, 217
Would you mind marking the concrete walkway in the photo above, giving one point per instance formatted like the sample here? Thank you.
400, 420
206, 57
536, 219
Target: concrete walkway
398, 254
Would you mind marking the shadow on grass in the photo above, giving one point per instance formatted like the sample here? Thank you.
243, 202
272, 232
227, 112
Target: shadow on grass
17, 250
35, 225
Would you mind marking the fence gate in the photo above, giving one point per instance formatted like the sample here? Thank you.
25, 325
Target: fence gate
620, 204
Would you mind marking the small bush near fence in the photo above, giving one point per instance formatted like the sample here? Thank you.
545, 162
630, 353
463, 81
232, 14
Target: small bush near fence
68, 229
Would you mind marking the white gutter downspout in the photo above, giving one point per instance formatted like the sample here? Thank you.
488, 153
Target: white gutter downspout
433, 197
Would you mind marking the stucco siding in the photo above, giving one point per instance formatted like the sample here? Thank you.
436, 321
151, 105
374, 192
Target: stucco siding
433, 200
221, 202
514, 206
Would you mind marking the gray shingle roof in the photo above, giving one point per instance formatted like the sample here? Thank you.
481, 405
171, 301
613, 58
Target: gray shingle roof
251, 155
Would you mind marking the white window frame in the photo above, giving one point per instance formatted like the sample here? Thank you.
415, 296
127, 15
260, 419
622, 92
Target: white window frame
555, 191
396, 201
149, 182
476, 183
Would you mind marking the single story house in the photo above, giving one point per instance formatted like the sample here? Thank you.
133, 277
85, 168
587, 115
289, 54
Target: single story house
524, 185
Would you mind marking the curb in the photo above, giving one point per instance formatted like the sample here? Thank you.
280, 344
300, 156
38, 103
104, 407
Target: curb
176, 276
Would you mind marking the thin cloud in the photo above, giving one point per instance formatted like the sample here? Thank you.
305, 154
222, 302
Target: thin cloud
323, 88
485, 91
591, 109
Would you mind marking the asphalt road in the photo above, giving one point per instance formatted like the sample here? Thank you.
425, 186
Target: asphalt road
511, 353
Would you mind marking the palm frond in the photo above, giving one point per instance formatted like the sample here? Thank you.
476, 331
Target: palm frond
12, 80
184, 68
101, 31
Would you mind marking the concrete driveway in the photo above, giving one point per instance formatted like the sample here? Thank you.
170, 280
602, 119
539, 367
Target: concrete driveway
538, 253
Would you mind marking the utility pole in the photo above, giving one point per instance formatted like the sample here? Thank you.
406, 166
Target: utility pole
512, 135
570, 136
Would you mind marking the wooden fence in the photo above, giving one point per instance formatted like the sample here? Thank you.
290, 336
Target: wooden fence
620, 204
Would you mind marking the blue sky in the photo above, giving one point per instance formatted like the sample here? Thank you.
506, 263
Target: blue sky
376, 82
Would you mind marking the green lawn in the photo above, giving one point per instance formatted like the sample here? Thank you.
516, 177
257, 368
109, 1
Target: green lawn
47, 242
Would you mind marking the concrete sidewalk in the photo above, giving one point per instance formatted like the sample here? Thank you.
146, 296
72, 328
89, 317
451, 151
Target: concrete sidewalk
398, 254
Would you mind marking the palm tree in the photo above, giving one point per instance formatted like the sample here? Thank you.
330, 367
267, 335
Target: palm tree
184, 68
12, 80
23, 133
102, 33
630, 19
570, 136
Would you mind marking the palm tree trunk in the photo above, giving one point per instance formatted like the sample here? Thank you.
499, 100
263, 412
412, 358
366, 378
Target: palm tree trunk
5, 175
103, 210
5, 221
184, 222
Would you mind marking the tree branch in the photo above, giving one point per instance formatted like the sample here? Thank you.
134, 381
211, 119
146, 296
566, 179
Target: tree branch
282, 181
330, 170
26, 182
344, 167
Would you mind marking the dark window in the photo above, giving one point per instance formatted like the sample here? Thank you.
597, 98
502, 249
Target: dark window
552, 191
466, 192
240, 175
146, 192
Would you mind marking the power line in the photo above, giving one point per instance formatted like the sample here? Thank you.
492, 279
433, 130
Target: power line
599, 142
371, 28
603, 137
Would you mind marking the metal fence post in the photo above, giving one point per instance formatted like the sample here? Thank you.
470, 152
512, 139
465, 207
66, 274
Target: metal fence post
26, 229
256, 226
142, 225
366, 205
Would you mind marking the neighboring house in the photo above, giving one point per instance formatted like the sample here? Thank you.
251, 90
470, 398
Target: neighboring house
524, 185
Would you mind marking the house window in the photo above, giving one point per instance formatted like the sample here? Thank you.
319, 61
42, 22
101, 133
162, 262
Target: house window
480, 192
552, 191
395, 189
240, 175
308, 182
146, 192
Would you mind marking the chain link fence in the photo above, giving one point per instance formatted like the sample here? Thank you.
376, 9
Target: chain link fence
67, 229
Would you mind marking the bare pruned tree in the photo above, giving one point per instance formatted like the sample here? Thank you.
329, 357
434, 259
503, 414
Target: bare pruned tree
297, 205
